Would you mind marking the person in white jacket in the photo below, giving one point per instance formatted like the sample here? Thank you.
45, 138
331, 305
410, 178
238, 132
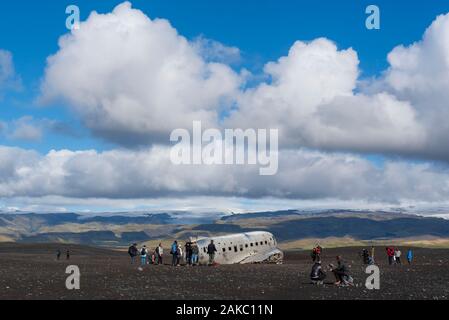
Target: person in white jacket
159, 254
179, 254
397, 256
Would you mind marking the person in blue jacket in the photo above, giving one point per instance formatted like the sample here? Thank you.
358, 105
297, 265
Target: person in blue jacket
409, 256
173, 252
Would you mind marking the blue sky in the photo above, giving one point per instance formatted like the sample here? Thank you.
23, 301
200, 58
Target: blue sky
263, 31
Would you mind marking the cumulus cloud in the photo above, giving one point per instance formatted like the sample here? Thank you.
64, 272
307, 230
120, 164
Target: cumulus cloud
419, 73
312, 99
133, 80
121, 174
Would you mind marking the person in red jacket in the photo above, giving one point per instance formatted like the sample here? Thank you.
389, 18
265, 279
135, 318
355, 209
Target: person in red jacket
390, 254
316, 253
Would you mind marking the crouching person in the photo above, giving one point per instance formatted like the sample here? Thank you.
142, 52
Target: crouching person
341, 273
317, 275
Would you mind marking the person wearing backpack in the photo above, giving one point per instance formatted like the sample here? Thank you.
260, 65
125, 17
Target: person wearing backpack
143, 255
132, 251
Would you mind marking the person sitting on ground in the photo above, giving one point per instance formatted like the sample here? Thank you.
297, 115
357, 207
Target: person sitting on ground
397, 256
341, 273
173, 252
211, 249
132, 251
409, 256
317, 274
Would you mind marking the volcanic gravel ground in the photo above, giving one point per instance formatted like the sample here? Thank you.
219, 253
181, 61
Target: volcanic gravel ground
32, 272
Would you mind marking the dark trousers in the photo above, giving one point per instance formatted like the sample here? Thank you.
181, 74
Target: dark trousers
320, 277
390, 260
174, 260
159, 259
338, 275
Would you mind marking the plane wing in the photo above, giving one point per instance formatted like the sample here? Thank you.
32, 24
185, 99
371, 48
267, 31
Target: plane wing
270, 256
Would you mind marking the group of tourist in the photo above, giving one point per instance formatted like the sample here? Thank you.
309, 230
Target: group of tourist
341, 270
190, 254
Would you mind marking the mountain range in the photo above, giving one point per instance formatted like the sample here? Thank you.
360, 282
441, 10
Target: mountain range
117, 230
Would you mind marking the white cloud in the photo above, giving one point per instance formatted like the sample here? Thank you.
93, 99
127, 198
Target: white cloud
122, 174
419, 73
312, 99
133, 80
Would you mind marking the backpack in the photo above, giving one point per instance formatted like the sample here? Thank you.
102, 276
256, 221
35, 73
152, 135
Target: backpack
143, 252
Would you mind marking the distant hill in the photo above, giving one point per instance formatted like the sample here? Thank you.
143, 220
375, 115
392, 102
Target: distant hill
287, 226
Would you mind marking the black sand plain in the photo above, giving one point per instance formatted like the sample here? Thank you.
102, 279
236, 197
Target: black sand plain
31, 272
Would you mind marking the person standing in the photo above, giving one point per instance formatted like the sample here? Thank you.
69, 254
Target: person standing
174, 253
195, 253
188, 253
211, 249
132, 251
143, 255
409, 256
316, 253
179, 255
397, 255
58, 255
390, 254
373, 261
365, 257
68, 255
160, 254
